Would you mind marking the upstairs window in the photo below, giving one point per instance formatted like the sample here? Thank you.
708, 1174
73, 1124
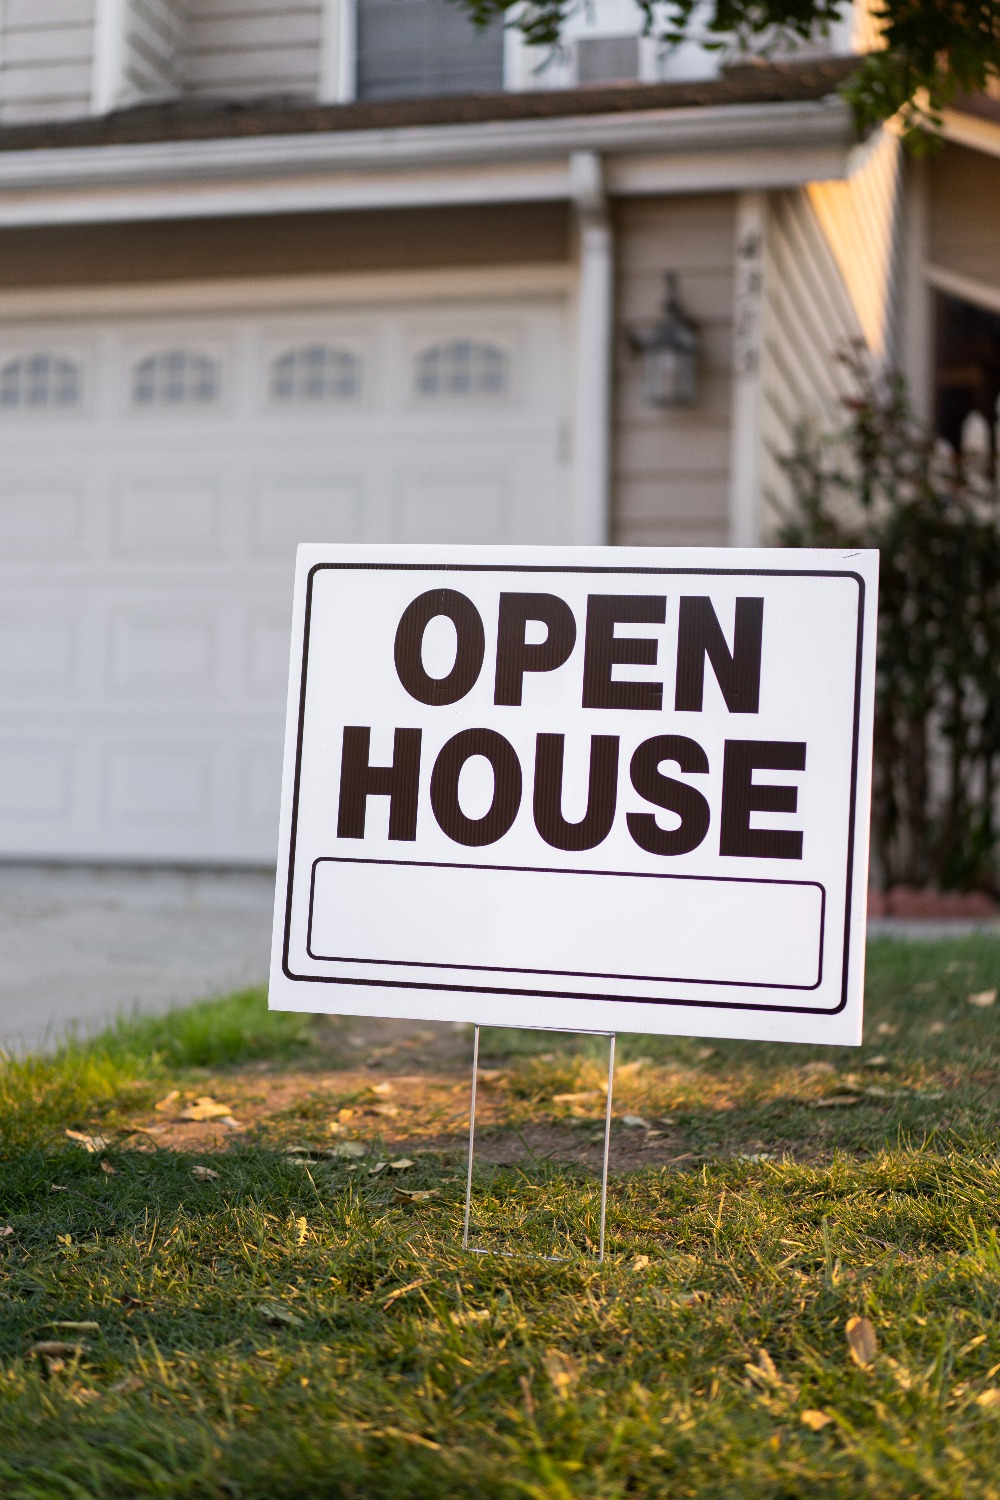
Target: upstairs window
462, 368
416, 48
38, 382
315, 372
176, 377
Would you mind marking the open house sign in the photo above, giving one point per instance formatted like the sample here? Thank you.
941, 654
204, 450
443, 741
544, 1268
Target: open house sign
589, 788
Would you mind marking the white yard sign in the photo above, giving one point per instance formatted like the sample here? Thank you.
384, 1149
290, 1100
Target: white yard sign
582, 788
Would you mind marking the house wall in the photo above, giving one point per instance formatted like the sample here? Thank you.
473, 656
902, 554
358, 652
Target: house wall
964, 214
238, 48
807, 314
46, 52
284, 245
671, 469
153, 30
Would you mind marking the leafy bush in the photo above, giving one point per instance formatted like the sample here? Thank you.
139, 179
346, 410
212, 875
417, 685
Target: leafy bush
886, 482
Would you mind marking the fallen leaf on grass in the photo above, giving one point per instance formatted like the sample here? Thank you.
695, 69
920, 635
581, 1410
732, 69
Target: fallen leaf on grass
88, 1326
89, 1143
881, 1061
635, 1122
168, 1101
640, 1263
205, 1108
400, 1164
862, 1341
204, 1174
348, 1148
377, 1169
401, 1291
274, 1312
693, 1299
836, 1101
936, 1028
109, 1169
381, 1088
887, 1028
126, 1387
989, 1400
302, 1228
765, 1372
390, 1110
576, 1098
563, 1372
814, 1420
5, 1231
982, 999
413, 1195
470, 1315
57, 1349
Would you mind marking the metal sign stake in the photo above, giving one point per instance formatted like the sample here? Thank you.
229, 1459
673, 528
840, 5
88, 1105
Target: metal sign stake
604, 1166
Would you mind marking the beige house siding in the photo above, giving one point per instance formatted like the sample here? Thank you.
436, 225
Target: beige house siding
284, 245
807, 315
46, 59
152, 35
671, 468
238, 48
964, 214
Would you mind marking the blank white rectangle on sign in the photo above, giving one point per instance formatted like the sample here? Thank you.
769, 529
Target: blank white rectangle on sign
570, 923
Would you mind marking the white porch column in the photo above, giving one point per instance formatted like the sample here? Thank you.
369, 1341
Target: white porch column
746, 434
338, 60
594, 347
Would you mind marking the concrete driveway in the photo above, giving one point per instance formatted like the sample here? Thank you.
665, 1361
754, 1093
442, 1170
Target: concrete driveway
80, 945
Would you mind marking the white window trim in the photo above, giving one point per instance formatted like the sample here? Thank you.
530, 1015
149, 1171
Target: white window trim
338, 53
108, 75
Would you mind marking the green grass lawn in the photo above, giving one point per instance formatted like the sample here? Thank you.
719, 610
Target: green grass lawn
235, 1323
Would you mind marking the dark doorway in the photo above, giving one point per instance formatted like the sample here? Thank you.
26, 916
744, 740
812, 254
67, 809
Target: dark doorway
966, 367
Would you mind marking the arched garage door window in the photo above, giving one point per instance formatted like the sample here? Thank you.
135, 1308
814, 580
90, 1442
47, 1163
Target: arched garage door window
176, 377
462, 368
36, 382
316, 372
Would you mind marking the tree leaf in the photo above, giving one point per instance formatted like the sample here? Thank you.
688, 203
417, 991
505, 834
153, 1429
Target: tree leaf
989, 1400
814, 1420
205, 1108
165, 1103
836, 1101
635, 1122
862, 1341
640, 1263
204, 1174
563, 1372
401, 1163
109, 1169
5, 1231
413, 1195
348, 1148
275, 1312
91, 1143
982, 999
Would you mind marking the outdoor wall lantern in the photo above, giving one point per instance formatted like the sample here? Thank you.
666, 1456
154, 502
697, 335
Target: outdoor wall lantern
670, 353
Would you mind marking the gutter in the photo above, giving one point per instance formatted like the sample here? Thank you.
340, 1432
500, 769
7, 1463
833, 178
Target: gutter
649, 151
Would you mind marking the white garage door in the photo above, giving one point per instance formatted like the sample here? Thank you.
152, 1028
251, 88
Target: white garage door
155, 476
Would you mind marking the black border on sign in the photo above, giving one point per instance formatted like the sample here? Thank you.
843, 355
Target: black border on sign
493, 989
430, 864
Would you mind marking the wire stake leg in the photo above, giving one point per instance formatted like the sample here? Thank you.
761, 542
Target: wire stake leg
472, 1141
607, 1144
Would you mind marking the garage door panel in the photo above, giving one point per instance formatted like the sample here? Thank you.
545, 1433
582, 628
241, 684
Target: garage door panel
153, 517
151, 500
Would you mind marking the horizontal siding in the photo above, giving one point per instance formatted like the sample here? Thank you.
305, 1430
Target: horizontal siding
152, 43
808, 315
964, 213
671, 469
249, 47
860, 221
46, 53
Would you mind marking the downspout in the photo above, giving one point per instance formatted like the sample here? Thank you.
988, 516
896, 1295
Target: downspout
591, 521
